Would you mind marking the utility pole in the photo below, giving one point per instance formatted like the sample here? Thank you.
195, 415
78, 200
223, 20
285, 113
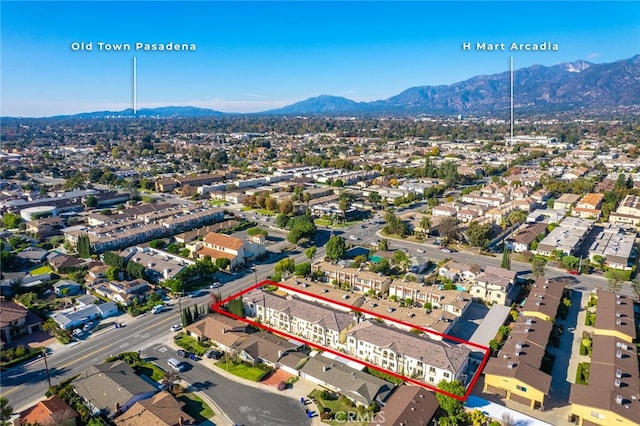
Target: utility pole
46, 365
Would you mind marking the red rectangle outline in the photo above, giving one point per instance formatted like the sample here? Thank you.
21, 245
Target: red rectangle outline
218, 307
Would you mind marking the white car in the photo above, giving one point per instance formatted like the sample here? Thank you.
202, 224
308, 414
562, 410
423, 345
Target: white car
420, 251
353, 237
88, 326
176, 327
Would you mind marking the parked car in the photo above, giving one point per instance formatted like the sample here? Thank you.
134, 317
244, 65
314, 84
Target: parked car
444, 249
353, 237
420, 251
88, 326
183, 353
77, 332
574, 272
176, 327
214, 354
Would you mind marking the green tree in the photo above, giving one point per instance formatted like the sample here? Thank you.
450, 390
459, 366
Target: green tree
479, 234
112, 259
6, 411
303, 269
615, 278
135, 270
236, 307
425, 224
453, 406
336, 248
506, 258
282, 220
157, 244
91, 201
285, 267
222, 263
538, 265
11, 220
84, 246
311, 252
401, 259
344, 204
301, 227
374, 198
112, 273
384, 244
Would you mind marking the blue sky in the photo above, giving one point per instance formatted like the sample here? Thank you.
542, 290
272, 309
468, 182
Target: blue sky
254, 56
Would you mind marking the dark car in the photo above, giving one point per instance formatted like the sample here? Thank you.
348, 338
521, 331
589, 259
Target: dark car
214, 354
183, 353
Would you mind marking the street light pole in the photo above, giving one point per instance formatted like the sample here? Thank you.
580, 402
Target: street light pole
46, 365
255, 273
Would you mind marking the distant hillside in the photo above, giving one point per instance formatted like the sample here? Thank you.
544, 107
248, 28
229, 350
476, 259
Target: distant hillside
537, 89
160, 112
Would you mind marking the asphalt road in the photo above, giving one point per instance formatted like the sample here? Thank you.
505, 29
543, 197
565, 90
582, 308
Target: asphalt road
241, 403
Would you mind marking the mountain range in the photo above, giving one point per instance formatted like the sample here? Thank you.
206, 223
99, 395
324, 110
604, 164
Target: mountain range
537, 89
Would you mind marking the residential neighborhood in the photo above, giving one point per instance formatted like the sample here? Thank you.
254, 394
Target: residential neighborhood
340, 276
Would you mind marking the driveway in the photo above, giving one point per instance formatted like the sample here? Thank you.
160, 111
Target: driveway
242, 403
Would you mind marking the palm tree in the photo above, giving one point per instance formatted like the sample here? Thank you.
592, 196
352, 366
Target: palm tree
306, 197
344, 204
169, 378
425, 224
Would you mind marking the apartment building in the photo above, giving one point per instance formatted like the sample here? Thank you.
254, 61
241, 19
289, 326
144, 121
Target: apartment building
614, 316
612, 394
615, 245
588, 206
493, 285
359, 280
407, 353
628, 212
522, 241
566, 237
515, 373
315, 323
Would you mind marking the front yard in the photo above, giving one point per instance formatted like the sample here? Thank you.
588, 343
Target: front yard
195, 407
335, 409
240, 369
190, 344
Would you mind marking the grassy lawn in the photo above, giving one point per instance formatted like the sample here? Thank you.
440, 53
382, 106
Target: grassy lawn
335, 405
195, 407
253, 373
148, 369
322, 222
41, 270
191, 344
218, 202
265, 212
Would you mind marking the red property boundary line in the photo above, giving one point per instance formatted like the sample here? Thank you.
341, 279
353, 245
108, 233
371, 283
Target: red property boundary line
218, 307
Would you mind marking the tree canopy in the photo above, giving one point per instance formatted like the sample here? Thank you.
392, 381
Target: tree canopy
336, 248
